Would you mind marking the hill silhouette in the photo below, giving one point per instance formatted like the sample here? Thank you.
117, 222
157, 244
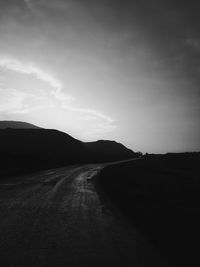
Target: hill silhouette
27, 149
17, 125
109, 150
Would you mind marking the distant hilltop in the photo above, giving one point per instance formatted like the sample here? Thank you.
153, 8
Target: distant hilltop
17, 125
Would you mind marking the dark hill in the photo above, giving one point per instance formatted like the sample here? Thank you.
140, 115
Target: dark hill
23, 150
17, 125
106, 150
41, 143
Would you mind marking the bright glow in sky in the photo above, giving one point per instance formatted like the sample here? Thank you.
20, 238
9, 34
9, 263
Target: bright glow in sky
47, 94
122, 70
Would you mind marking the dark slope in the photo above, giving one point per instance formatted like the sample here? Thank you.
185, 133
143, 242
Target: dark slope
40, 142
17, 125
105, 150
23, 150
33, 149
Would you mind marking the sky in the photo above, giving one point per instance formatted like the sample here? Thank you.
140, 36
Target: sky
121, 70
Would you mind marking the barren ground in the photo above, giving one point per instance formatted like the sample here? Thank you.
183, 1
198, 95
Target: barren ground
56, 218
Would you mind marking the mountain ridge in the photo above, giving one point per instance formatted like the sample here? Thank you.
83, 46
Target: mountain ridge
5, 124
38, 148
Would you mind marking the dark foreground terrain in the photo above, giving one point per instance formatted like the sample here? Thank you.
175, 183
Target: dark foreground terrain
160, 194
56, 218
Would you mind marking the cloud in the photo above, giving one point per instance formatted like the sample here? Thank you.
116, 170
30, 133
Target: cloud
56, 88
12, 64
39, 7
29, 68
95, 114
23, 109
11, 99
97, 122
20, 102
32, 8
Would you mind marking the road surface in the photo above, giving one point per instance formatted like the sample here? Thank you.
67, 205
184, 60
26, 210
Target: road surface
56, 218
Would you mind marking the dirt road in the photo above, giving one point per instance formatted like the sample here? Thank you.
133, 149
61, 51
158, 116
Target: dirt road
56, 218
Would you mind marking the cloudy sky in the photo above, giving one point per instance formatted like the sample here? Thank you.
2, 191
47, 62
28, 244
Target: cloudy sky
122, 70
